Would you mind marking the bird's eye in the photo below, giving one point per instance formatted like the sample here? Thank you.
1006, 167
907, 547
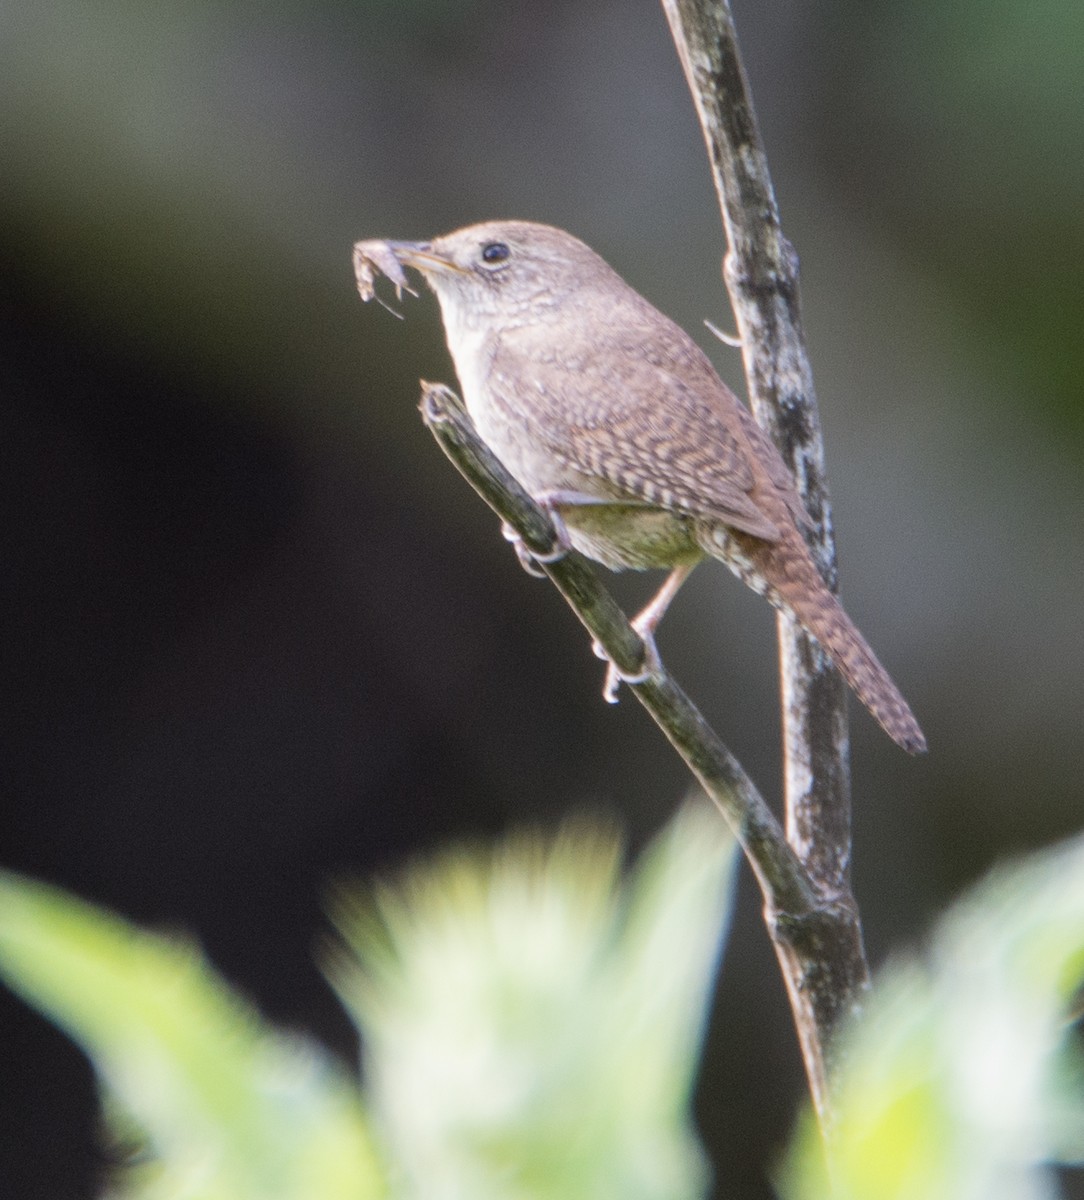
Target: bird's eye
495, 252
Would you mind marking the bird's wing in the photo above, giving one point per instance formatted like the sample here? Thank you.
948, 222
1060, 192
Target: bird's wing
777, 469
649, 417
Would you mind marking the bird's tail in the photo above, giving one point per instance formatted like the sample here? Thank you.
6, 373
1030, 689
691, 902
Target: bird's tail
783, 571
821, 614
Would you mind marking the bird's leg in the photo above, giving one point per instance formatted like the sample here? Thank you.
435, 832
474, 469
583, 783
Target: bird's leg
645, 623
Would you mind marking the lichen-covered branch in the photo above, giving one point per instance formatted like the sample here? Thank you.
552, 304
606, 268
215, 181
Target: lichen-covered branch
761, 273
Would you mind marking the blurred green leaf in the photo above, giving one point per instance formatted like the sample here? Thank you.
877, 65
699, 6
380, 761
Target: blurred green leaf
963, 1079
531, 1021
227, 1108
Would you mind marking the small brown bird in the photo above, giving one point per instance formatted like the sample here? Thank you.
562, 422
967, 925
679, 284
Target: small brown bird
614, 420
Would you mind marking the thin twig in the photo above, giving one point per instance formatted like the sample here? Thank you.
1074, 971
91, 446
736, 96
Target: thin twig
761, 273
787, 887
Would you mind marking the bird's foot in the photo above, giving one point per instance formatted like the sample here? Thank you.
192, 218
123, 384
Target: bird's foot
650, 668
529, 559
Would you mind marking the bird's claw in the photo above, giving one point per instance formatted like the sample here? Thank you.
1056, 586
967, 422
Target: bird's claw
529, 559
650, 668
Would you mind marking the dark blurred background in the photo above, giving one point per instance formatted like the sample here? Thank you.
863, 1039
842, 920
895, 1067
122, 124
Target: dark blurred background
256, 632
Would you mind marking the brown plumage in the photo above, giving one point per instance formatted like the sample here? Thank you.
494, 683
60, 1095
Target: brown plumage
608, 413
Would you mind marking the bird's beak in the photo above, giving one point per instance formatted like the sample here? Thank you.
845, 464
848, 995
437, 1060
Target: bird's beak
422, 257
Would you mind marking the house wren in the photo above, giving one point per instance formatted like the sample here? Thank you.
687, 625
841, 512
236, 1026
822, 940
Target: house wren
614, 420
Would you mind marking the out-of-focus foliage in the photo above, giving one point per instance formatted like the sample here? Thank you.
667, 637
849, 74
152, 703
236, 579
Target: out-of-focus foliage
219, 1107
964, 1077
532, 1023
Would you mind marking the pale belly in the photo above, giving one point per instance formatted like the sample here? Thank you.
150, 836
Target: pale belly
629, 536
